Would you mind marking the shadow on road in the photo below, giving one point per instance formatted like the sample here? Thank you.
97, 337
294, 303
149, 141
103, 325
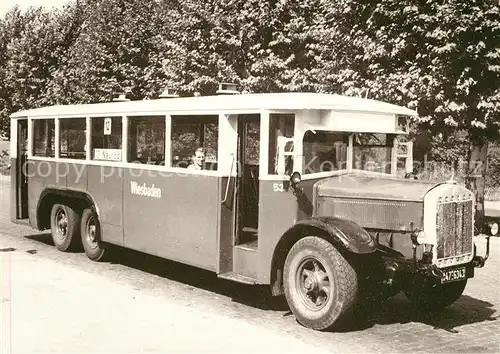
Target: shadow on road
466, 310
254, 296
45, 238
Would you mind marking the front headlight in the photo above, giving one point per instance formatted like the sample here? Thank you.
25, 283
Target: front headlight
493, 228
418, 237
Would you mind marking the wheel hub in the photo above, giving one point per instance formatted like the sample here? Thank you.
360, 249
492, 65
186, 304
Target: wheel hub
91, 232
313, 284
62, 224
309, 283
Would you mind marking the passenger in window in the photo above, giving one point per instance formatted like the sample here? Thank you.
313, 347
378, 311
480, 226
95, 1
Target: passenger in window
197, 160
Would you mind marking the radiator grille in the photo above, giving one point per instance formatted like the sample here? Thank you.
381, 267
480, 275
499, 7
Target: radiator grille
454, 228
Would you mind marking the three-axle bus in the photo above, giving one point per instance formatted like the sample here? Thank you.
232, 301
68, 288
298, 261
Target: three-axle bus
303, 192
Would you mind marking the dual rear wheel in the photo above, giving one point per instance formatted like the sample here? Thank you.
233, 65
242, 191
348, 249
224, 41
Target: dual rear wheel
71, 227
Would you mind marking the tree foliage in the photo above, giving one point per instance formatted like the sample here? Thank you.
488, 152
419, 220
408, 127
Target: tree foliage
441, 58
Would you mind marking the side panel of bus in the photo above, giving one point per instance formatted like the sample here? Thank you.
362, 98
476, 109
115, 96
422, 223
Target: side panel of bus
45, 175
172, 215
279, 210
42, 175
105, 186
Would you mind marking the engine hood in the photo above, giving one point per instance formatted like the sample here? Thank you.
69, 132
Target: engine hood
374, 187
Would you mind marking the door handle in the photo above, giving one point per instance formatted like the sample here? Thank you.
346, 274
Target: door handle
229, 179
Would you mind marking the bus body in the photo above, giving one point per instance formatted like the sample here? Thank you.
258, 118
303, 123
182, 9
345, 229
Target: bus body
295, 186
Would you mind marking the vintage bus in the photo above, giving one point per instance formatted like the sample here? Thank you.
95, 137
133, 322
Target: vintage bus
303, 192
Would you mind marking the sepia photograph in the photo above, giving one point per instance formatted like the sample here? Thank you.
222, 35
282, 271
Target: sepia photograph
249, 176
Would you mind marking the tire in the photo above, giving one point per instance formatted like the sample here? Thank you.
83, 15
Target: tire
429, 297
65, 227
313, 260
91, 236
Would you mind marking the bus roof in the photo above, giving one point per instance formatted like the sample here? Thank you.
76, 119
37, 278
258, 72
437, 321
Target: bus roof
243, 102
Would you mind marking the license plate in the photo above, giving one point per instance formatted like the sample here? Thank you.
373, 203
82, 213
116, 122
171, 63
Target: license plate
455, 274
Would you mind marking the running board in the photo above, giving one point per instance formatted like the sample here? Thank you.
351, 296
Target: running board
238, 278
25, 222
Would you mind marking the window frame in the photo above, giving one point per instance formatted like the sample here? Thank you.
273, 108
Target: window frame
126, 126
200, 119
348, 142
389, 144
31, 137
90, 137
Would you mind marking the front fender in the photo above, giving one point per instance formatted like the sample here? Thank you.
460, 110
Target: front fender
343, 232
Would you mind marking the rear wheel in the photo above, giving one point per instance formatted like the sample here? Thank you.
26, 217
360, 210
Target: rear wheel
91, 236
320, 285
434, 297
64, 226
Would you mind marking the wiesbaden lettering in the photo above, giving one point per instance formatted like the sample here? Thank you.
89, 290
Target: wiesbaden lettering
144, 190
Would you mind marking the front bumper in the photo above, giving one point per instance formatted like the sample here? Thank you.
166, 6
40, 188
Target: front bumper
425, 267
479, 261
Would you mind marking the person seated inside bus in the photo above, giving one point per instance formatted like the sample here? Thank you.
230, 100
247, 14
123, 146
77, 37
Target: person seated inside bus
197, 160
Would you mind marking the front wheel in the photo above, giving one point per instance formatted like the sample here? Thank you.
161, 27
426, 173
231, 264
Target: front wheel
320, 285
91, 236
434, 297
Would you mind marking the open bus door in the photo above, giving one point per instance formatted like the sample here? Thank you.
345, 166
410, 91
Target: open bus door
247, 207
20, 170
238, 253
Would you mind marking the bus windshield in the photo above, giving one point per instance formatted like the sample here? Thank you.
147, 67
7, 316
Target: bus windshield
324, 151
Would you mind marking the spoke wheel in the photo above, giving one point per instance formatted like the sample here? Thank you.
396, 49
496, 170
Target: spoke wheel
91, 236
61, 224
320, 285
313, 284
64, 225
90, 232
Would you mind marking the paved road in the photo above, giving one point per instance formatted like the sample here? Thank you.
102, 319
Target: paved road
62, 302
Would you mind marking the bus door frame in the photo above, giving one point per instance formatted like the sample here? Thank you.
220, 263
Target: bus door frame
21, 176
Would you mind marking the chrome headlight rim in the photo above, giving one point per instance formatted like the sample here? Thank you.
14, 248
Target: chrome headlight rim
418, 237
493, 228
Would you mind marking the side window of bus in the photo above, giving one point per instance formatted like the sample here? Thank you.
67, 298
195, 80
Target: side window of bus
324, 151
281, 127
192, 132
72, 138
146, 142
106, 138
44, 137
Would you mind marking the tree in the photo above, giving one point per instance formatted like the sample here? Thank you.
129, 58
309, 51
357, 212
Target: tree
442, 58
33, 47
263, 46
32, 57
11, 29
115, 51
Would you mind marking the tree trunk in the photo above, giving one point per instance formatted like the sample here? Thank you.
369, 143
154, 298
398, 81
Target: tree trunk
475, 179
